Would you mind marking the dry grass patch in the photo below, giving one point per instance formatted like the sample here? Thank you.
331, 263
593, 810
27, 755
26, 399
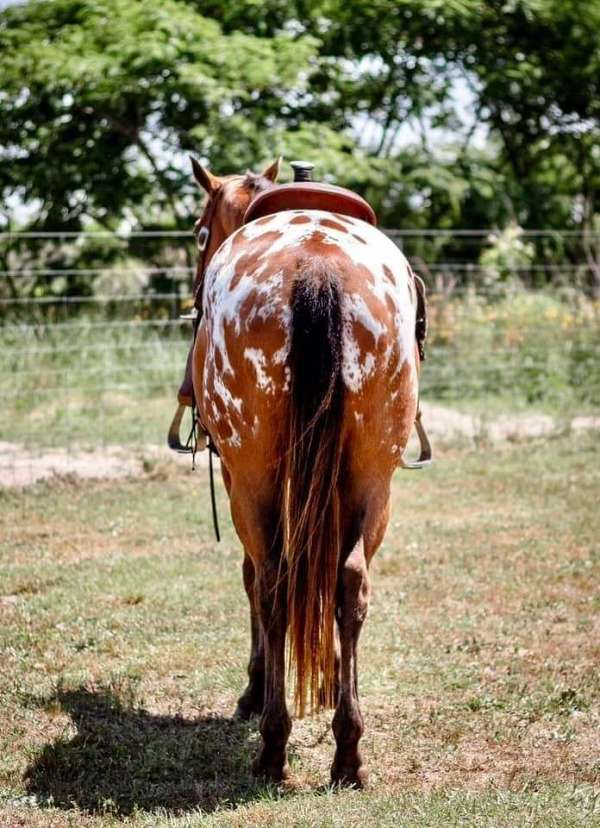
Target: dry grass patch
124, 636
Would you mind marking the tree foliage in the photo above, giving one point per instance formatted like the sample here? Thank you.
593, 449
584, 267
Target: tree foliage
443, 112
101, 99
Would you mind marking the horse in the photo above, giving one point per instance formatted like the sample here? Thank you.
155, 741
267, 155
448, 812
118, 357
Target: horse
305, 375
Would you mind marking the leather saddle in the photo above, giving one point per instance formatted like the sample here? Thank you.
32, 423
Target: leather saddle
309, 195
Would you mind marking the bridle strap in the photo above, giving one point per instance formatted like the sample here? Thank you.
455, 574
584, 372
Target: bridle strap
202, 231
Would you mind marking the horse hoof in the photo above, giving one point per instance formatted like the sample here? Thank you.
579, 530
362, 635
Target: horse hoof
242, 712
350, 777
271, 772
245, 711
247, 707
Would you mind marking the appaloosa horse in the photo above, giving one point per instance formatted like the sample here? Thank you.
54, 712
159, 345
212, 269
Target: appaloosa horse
305, 373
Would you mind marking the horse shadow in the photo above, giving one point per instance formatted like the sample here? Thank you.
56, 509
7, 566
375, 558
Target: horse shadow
123, 758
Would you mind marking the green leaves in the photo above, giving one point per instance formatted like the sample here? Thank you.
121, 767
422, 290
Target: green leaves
104, 97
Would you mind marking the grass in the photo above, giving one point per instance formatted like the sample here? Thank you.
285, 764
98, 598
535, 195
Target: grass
521, 350
124, 641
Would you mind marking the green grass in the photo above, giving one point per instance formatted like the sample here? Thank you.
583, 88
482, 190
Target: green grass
89, 384
124, 640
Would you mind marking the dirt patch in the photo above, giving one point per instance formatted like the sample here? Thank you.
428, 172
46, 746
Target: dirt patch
447, 424
23, 466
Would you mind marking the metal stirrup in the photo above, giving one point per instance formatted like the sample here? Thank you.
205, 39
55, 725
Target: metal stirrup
196, 440
426, 452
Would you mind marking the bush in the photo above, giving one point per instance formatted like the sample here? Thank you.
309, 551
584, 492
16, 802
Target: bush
528, 348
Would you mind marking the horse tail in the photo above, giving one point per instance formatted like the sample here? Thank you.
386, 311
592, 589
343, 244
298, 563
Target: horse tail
311, 470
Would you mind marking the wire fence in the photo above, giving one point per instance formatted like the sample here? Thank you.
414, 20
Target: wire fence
93, 349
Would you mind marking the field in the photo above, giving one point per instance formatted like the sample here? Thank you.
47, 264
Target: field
472, 130
124, 641
124, 625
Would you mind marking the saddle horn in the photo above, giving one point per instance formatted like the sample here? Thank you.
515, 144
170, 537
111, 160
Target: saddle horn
303, 170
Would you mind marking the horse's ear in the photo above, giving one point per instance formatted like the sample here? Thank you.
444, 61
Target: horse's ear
205, 179
272, 171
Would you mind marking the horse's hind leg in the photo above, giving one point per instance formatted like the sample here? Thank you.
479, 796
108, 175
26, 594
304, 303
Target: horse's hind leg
275, 723
257, 523
353, 602
252, 699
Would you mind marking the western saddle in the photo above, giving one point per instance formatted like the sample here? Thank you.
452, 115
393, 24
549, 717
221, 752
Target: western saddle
302, 194
309, 196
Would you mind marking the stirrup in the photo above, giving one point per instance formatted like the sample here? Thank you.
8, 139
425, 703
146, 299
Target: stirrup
197, 439
426, 452
191, 315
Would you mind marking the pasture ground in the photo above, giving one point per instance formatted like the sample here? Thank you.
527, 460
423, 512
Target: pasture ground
124, 641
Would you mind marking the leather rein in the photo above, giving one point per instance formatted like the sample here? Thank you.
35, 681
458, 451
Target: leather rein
202, 233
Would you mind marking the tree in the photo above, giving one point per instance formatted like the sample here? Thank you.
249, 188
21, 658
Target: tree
532, 68
101, 100
442, 112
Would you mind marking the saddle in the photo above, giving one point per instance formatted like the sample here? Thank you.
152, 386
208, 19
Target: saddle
309, 196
